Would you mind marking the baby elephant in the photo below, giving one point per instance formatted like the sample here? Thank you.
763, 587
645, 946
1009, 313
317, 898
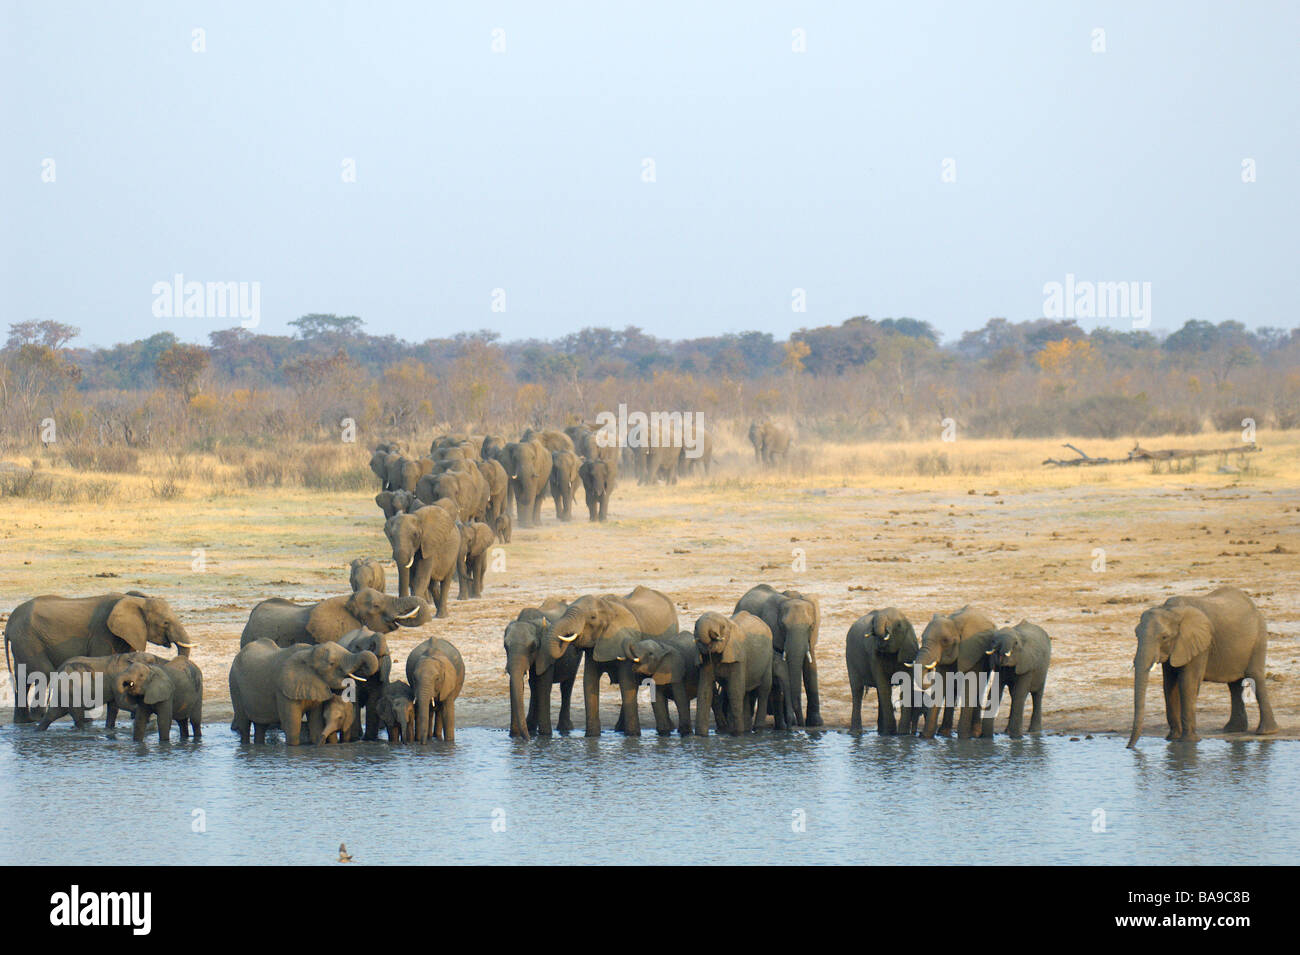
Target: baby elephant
366, 572
476, 540
672, 664
397, 712
502, 528
1019, 656
171, 691
436, 673
337, 717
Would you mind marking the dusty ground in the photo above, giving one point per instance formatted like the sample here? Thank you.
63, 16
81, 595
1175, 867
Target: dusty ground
998, 532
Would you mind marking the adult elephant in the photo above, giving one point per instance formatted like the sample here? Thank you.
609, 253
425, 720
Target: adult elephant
794, 619
274, 686
564, 482
528, 466
1019, 656
771, 441
602, 629
369, 689
397, 502
425, 547
436, 673
466, 486
598, 478
658, 462
879, 651
498, 484
1220, 637
951, 657
528, 644
285, 623
551, 439
701, 454
735, 652
45, 632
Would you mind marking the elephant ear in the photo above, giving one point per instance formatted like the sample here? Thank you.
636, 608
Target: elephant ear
157, 688
298, 681
126, 622
1193, 637
732, 652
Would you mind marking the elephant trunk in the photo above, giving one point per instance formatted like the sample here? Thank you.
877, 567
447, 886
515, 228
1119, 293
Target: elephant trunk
796, 652
403, 575
517, 667
1142, 663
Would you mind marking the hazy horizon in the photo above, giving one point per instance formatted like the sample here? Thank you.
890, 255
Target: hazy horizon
522, 169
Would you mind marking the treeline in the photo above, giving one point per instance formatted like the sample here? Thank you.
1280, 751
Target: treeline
860, 379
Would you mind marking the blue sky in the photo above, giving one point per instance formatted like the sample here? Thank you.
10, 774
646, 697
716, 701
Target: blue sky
523, 170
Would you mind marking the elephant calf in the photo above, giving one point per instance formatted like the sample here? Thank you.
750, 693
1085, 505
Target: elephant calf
1019, 656
86, 683
338, 718
397, 712
476, 540
366, 572
436, 673
502, 528
171, 691
598, 478
673, 663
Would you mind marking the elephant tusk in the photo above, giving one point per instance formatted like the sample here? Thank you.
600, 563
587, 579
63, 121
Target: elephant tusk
408, 615
568, 639
988, 653
180, 643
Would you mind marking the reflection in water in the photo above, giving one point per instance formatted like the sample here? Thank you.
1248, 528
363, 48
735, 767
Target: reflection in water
814, 797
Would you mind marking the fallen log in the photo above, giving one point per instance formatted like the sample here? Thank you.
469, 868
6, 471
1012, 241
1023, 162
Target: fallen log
1140, 453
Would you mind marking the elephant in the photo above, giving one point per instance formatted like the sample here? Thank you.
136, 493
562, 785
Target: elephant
583, 437
366, 572
657, 462
379, 464
770, 440
397, 712
338, 721
425, 547
498, 484
476, 540
735, 652
492, 446
468, 488
277, 686
45, 632
369, 689
703, 455
550, 439
528, 466
534, 653
603, 628
82, 684
171, 691
564, 482
1019, 656
880, 649
404, 473
951, 653
598, 480
1220, 637
397, 502
794, 619
672, 664
502, 527
285, 622
436, 673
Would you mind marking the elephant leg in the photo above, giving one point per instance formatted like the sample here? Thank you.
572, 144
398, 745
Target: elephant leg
315, 724
372, 719
736, 699
140, 725
969, 704
1237, 719
259, 733
760, 703
659, 704
438, 718
1015, 724
1173, 708
704, 701
565, 724
530, 718
814, 717
1189, 684
449, 721
627, 686
290, 720
542, 693
945, 727
856, 688
591, 695
1267, 725
164, 713
440, 588
1036, 721
683, 702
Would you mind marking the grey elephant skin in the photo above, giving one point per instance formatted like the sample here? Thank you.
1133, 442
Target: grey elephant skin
955, 644
794, 620
528, 467
537, 658
771, 442
1220, 637
170, 691
397, 712
672, 664
94, 679
369, 689
274, 686
285, 622
736, 653
476, 540
436, 673
602, 628
598, 478
45, 632
1019, 656
366, 572
880, 648
564, 481
425, 547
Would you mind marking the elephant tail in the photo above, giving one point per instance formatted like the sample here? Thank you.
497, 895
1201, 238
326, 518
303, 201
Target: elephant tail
9, 663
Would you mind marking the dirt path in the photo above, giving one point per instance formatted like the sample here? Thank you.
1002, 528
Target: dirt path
1027, 553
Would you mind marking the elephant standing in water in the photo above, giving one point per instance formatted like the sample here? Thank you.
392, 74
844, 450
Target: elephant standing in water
397, 712
671, 663
535, 654
794, 619
45, 632
1220, 637
1019, 656
285, 622
83, 683
277, 686
171, 691
952, 652
880, 649
369, 689
436, 673
603, 629
735, 652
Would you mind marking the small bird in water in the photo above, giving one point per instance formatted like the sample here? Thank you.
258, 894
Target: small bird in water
343, 853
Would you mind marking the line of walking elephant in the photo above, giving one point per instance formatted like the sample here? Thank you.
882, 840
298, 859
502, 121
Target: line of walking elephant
322, 672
